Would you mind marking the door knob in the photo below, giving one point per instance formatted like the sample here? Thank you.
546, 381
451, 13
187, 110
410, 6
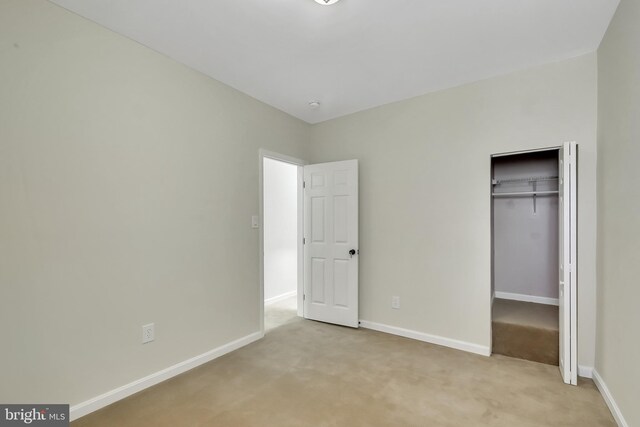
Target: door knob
352, 252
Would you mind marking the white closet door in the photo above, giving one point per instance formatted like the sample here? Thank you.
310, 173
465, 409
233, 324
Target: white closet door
331, 242
567, 187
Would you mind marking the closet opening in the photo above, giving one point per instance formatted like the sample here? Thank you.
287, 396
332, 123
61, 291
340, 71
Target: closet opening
526, 226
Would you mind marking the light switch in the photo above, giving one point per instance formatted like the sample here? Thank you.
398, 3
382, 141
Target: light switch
254, 221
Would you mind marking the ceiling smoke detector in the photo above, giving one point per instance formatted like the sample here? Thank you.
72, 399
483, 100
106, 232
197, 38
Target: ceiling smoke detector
314, 104
326, 2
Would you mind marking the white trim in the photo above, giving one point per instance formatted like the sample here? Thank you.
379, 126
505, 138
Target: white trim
279, 298
98, 402
300, 236
608, 398
534, 150
281, 157
527, 298
433, 339
585, 371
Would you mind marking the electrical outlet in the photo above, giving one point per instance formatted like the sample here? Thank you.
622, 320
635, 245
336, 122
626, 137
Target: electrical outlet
254, 222
395, 303
148, 333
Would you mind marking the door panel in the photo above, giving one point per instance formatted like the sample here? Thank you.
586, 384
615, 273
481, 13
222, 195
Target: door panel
341, 219
317, 219
317, 280
331, 231
567, 292
341, 283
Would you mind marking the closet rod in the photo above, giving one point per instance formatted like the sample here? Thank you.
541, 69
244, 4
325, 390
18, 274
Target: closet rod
530, 179
525, 193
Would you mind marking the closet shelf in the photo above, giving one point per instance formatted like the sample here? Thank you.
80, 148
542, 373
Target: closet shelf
525, 194
529, 179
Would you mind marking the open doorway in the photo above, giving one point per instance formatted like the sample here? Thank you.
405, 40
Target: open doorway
534, 259
281, 266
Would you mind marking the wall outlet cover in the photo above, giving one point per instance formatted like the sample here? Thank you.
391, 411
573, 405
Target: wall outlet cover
395, 303
148, 333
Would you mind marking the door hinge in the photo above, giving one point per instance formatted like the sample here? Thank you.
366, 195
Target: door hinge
304, 241
304, 297
304, 184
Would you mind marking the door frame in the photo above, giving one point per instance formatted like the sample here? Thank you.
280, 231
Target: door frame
262, 154
492, 289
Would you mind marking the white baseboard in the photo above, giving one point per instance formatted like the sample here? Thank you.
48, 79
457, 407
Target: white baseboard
608, 398
585, 371
278, 298
527, 298
91, 405
433, 339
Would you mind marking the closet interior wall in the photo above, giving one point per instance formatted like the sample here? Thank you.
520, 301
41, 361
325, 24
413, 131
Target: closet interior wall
525, 227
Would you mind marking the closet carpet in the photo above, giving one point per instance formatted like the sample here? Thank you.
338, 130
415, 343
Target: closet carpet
305, 373
526, 330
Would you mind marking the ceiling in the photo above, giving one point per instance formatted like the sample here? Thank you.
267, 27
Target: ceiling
356, 54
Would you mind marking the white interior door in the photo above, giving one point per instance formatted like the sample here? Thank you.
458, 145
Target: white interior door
331, 242
567, 187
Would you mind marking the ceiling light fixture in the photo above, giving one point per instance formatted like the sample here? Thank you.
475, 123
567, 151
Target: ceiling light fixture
326, 2
314, 104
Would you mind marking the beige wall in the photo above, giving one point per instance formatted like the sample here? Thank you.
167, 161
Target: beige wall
127, 185
618, 350
425, 185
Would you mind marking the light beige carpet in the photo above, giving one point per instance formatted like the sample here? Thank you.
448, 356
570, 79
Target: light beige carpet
526, 313
306, 373
280, 313
526, 330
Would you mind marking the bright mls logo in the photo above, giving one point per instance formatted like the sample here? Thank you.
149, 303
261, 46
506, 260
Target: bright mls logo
34, 415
